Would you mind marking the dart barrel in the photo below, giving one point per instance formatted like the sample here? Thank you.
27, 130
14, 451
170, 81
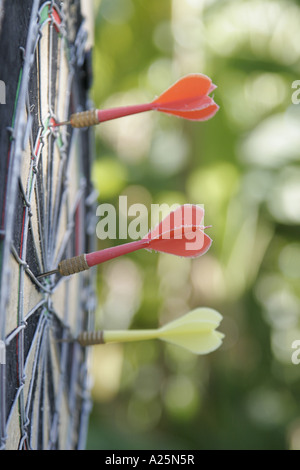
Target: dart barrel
84, 119
89, 338
73, 265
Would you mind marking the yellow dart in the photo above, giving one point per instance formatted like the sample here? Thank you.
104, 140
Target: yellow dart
194, 331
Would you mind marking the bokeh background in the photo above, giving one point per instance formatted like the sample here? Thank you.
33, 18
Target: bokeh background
243, 165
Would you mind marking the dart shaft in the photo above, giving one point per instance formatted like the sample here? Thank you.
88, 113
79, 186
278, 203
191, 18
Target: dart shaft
101, 256
119, 336
95, 116
90, 338
114, 113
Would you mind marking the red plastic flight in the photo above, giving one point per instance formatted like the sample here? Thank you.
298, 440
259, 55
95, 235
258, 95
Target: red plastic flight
180, 233
187, 98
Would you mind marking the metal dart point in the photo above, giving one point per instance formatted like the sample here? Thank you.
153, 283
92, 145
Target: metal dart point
54, 271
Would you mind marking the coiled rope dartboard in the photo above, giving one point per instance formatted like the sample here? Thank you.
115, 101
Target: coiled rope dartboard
47, 207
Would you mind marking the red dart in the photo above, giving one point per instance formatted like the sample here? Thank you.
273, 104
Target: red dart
187, 98
180, 233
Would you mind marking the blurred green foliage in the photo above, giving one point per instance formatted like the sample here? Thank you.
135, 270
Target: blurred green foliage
243, 165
